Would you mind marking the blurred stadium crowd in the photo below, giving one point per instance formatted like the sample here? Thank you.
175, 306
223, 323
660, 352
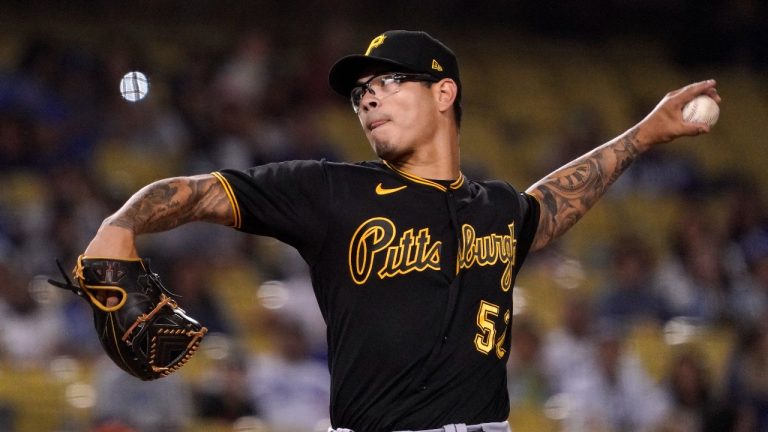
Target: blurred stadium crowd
651, 316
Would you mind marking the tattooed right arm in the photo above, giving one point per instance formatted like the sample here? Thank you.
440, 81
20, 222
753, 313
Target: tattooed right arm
570, 191
161, 206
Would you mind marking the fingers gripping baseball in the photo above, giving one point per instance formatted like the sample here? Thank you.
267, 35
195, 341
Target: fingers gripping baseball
666, 123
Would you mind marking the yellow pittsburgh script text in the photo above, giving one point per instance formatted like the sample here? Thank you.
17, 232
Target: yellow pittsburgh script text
412, 252
489, 250
416, 251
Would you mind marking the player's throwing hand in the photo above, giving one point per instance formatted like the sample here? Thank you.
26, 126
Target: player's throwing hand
666, 123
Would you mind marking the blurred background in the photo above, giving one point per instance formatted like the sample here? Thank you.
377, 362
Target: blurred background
650, 315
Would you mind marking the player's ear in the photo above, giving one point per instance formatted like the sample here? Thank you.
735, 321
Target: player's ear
445, 93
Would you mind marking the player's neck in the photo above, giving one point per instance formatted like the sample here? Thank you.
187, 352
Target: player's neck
437, 161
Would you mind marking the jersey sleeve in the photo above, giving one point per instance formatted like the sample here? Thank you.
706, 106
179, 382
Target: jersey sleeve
530, 209
284, 200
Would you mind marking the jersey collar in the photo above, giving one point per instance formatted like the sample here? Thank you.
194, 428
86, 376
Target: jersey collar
455, 185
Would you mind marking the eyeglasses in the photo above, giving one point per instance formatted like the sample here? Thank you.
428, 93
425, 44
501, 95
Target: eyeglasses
383, 86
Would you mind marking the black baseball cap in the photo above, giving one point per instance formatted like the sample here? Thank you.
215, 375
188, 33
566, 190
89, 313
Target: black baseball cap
397, 51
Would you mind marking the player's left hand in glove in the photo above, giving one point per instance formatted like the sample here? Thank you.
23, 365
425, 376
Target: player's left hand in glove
145, 333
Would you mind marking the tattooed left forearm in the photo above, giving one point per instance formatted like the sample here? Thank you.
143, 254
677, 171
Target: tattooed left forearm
169, 203
567, 193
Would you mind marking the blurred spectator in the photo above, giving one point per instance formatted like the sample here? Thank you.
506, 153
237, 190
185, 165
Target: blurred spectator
293, 298
613, 392
79, 338
191, 95
15, 139
163, 405
582, 128
73, 211
290, 388
746, 210
693, 403
751, 294
694, 278
660, 173
526, 378
335, 38
306, 140
747, 381
223, 392
631, 295
569, 346
30, 327
189, 276
245, 74
44, 116
746, 217
238, 91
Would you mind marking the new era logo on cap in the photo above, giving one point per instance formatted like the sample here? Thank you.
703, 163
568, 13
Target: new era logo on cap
396, 51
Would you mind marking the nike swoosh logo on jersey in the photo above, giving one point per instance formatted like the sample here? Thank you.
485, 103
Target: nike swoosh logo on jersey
381, 190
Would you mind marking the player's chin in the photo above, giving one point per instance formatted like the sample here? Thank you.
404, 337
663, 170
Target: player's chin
384, 150
377, 145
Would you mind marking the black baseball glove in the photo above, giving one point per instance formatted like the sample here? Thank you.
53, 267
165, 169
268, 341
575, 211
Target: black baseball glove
145, 333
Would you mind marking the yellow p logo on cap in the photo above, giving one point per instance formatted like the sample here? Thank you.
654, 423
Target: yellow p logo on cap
375, 43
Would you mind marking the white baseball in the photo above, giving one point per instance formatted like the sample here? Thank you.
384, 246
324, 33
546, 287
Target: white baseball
134, 86
702, 109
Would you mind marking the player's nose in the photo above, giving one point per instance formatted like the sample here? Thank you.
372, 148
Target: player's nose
368, 101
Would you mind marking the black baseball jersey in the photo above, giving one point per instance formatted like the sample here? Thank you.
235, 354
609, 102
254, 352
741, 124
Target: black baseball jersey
414, 278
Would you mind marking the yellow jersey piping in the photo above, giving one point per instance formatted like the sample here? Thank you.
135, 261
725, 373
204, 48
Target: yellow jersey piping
238, 221
416, 179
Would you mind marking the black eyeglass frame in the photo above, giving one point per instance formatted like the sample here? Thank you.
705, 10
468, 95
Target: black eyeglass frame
358, 91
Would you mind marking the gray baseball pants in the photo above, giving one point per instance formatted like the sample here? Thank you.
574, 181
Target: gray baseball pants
459, 427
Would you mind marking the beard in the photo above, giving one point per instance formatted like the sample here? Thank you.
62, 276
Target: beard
383, 150
389, 152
